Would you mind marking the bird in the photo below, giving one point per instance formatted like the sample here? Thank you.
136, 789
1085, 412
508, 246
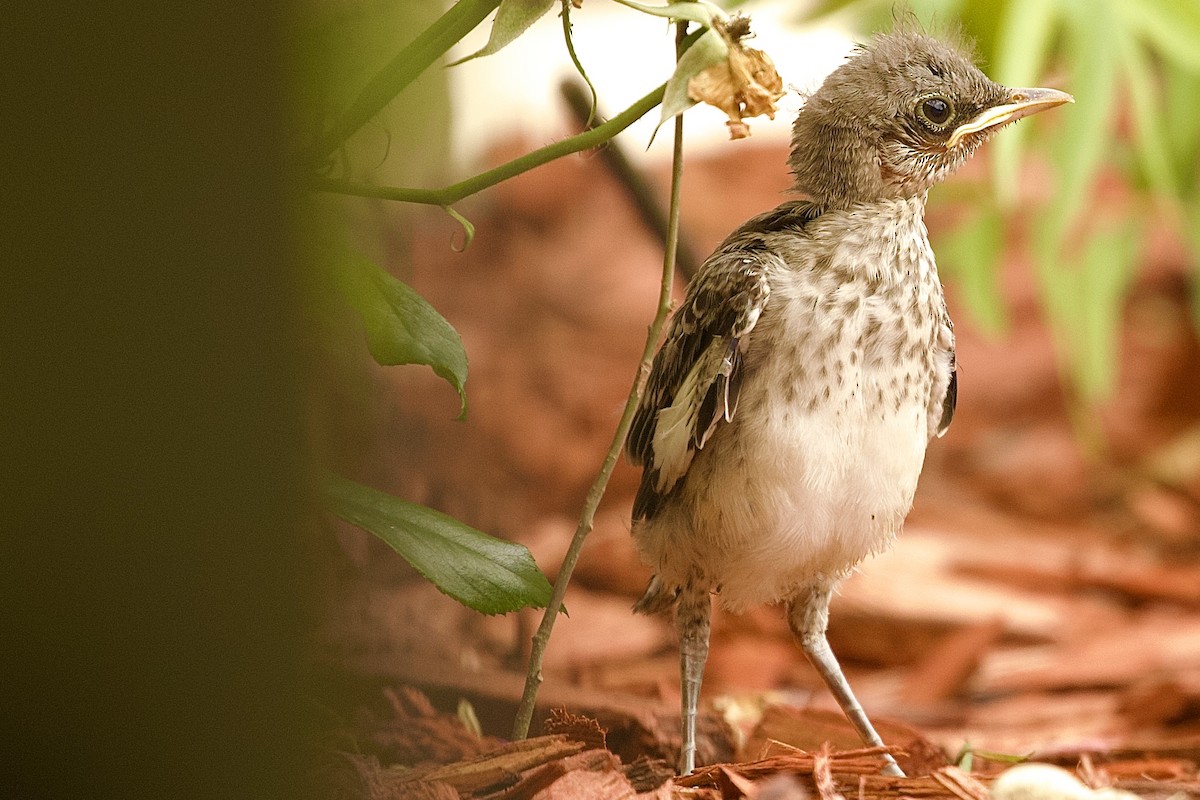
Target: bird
785, 418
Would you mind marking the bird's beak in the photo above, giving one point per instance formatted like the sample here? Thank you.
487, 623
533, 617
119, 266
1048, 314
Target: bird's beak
1022, 103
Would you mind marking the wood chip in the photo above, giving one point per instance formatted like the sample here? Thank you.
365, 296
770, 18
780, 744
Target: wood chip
503, 766
823, 775
576, 727
945, 670
809, 729
961, 784
589, 774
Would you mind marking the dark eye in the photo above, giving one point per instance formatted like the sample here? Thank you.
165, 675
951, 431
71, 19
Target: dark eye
936, 110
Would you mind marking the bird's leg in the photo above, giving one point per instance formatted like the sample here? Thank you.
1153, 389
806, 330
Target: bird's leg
692, 621
808, 616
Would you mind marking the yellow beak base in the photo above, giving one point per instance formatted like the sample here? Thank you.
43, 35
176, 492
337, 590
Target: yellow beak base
1022, 103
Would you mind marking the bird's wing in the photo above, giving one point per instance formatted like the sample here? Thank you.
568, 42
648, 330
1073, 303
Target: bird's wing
694, 382
945, 414
949, 402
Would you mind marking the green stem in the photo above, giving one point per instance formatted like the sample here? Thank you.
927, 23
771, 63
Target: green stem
459, 20
477, 183
566, 25
533, 677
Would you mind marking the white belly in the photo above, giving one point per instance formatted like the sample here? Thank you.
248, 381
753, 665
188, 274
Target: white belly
812, 497
813, 475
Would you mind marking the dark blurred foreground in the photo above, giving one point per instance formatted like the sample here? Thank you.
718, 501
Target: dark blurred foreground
153, 491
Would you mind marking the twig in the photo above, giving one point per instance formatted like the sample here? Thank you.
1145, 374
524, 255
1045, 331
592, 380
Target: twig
570, 41
477, 183
533, 677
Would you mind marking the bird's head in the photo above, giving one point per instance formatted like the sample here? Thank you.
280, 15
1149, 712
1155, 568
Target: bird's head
898, 117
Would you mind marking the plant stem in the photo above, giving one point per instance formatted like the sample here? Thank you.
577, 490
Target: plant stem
533, 677
459, 20
477, 183
570, 41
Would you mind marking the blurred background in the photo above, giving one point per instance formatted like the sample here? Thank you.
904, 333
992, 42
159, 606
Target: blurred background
1045, 593
178, 372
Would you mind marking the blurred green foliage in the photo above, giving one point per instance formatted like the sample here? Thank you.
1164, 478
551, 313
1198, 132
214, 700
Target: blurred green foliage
353, 59
342, 46
351, 71
1134, 68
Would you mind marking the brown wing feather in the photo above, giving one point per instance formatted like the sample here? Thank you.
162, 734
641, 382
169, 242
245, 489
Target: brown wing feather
721, 308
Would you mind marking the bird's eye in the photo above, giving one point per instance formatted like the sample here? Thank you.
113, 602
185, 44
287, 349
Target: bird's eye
936, 110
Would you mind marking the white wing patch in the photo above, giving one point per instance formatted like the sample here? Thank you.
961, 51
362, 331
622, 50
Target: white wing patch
676, 433
694, 382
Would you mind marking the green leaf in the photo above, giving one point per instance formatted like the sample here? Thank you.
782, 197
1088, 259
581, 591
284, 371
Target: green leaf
930, 12
1084, 298
1192, 230
1181, 128
1151, 140
467, 716
1107, 270
972, 254
1022, 48
512, 19
1173, 27
701, 12
817, 11
709, 49
487, 574
1088, 127
401, 327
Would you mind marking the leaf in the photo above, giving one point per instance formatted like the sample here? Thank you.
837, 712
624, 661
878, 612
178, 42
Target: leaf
467, 716
1172, 26
930, 12
701, 12
817, 11
1087, 131
1181, 130
1107, 270
972, 253
487, 574
1022, 49
1192, 228
401, 327
1084, 299
1151, 140
709, 49
512, 19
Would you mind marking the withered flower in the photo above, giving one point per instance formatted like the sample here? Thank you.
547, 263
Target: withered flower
744, 85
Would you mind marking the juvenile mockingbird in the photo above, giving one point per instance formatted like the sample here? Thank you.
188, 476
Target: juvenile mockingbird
786, 416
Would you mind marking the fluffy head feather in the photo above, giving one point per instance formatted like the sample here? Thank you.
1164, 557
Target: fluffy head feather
880, 126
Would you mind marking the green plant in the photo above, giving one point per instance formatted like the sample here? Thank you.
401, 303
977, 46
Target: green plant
400, 327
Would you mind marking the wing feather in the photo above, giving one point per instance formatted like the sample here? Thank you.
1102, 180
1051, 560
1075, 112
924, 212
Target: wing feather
694, 381
949, 402
696, 376
942, 411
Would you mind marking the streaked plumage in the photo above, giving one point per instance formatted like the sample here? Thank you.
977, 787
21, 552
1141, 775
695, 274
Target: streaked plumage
840, 370
784, 424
